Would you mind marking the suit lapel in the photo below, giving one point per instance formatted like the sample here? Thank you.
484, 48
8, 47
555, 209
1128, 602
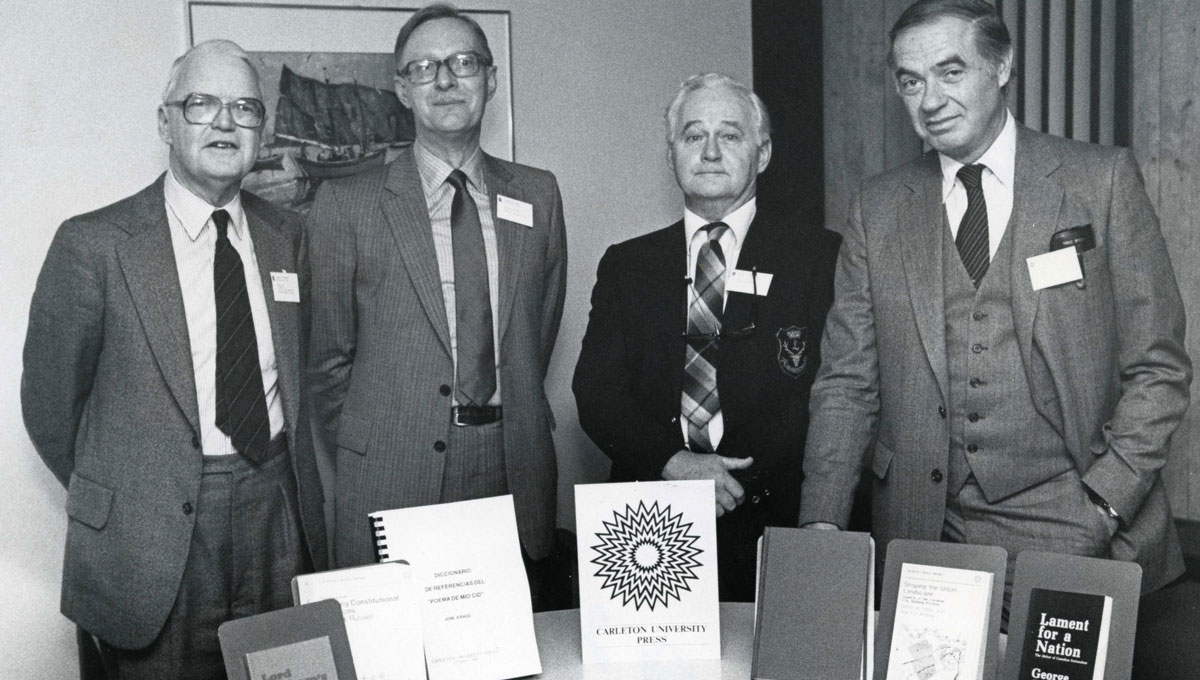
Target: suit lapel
509, 236
1036, 208
921, 220
148, 264
275, 253
408, 217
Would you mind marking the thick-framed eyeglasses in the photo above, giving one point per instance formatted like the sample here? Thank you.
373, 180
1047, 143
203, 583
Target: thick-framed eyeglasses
461, 64
203, 109
732, 334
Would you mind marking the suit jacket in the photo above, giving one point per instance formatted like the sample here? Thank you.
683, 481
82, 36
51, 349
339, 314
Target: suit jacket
380, 366
109, 399
1106, 363
629, 376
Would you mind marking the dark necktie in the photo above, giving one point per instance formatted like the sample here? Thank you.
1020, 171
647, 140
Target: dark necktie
699, 400
472, 301
241, 402
972, 238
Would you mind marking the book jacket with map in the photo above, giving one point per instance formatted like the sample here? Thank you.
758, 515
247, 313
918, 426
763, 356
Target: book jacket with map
1066, 635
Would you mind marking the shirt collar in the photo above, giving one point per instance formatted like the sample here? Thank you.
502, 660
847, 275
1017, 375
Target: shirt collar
434, 170
739, 221
1000, 159
194, 212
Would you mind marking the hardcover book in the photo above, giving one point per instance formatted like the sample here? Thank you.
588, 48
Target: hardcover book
308, 642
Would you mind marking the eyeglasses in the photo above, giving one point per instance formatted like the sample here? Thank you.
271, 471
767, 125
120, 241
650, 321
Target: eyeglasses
461, 64
203, 109
736, 334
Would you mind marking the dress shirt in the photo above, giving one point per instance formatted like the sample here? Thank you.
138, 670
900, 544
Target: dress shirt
194, 240
999, 162
731, 246
438, 198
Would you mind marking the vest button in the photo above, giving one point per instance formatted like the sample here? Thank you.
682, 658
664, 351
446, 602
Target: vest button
971, 448
977, 348
936, 476
974, 417
187, 508
444, 390
975, 382
942, 411
439, 446
979, 316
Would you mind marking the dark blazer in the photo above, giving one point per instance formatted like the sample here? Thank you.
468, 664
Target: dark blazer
109, 400
380, 363
1106, 363
630, 372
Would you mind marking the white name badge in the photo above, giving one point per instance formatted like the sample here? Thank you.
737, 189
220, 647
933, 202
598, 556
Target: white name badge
286, 286
1054, 268
514, 211
742, 281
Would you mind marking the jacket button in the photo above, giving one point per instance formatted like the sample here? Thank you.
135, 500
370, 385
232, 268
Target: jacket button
971, 448
977, 348
974, 417
187, 507
195, 442
942, 411
978, 316
444, 390
975, 382
439, 446
755, 499
936, 476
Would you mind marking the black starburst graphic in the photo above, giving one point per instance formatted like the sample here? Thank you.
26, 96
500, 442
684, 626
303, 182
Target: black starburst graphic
646, 556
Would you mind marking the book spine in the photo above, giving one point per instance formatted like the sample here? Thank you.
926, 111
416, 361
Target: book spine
381, 548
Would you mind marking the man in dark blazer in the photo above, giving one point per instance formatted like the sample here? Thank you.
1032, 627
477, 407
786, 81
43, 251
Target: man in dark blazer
428, 357
992, 406
741, 421
192, 494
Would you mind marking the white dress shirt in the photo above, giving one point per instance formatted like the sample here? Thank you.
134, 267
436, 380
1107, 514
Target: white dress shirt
731, 246
999, 162
194, 240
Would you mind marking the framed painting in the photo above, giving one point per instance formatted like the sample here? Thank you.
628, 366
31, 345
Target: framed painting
327, 75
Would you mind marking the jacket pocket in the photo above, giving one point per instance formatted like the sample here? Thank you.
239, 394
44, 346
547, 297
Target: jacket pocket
88, 502
353, 433
881, 459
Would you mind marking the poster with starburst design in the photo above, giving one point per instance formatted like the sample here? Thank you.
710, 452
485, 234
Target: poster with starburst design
648, 571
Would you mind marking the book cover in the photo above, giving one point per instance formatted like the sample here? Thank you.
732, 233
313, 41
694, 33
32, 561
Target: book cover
476, 612
1066, 635
382, 611
647, 571
941, 625
814, 613
307, 642
308, 659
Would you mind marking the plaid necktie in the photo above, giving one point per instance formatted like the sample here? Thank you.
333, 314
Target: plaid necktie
241, 402
972, 238
472, 299
699, 400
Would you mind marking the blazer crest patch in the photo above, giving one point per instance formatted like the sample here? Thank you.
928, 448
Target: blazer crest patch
792, 358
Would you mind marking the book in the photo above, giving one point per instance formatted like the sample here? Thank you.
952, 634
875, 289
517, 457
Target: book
382, 612
647, 571
307, 642
940, 613
476, 612
1073, 618
814, 612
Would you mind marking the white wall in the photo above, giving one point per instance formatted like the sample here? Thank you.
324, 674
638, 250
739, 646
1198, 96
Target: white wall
81, 81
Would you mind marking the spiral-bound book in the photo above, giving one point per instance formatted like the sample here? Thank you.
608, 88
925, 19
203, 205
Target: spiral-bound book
476, 614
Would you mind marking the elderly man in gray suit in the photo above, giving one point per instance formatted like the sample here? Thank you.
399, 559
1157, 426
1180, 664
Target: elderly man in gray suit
437, 288
991, 406
162, 388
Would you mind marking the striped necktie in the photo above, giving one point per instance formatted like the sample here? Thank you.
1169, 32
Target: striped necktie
972, 237
241, 401
699, 399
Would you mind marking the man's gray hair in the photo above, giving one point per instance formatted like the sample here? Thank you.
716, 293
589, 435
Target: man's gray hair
225, 47
701, 81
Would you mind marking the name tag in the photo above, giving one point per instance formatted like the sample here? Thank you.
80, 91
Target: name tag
742, 281
286, 286
514, 211
1054, 268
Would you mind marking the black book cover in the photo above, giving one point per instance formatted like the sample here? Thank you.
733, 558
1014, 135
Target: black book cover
1066, 636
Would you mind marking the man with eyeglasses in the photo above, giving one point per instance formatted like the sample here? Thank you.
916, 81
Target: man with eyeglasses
162, 388
702, 341
437, 289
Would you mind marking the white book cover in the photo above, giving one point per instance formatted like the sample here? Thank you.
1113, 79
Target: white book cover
475, 605
382, 613
648, 571
940, 632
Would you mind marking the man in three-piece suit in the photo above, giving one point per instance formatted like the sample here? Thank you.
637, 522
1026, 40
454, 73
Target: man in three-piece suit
437, 288
991, 406
702, 341
162, 388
